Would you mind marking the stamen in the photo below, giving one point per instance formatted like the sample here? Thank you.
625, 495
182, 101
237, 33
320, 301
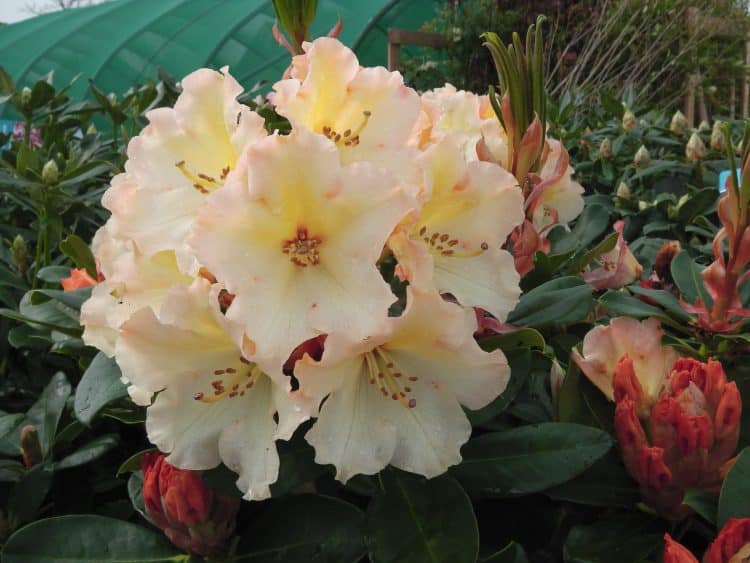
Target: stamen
202, 182
439, 241
350, 137
382, 372
302, 250
234, 383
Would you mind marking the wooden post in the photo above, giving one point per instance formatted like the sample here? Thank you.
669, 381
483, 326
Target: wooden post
692, 83
732, 98
746, 83
398, 37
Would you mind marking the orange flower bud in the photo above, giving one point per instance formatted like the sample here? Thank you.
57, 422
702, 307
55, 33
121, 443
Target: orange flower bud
693, 429
732, 545
191, 515
78, 278
675, 552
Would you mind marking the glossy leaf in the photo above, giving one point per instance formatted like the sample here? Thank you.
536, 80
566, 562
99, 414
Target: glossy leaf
83, 538
687, 276
530, 458
627, 538
303, 529
46, 412
79, 252
560, 301
734, 498
99, 386
415, 520
89, 452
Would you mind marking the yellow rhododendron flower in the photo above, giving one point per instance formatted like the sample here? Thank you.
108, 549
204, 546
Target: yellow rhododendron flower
396, 397
454, 245
368, 113
297, 240
214, 404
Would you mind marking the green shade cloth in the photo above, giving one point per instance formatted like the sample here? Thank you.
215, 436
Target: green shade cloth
123, 42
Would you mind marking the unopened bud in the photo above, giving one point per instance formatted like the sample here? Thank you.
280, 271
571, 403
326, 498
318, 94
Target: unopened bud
663, 260
642, 158
50, 172
19, 250
91, 130
629, 121
695, 149
679, 123
623, 191
704, 126
193, 516
112, 98
25, 95
718, 140
556, 378
30, 447
605, 148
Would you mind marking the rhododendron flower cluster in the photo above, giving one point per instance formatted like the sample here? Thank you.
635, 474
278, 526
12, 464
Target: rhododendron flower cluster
677, 419
243, 275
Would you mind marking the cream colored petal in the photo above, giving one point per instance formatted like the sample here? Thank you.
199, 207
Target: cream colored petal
353, 431
314, 102
247, 445
489, 281
434, 340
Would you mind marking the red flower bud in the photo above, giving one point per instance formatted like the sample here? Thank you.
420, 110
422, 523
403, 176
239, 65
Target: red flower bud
675, 552
693, 429
192, 516
732, 545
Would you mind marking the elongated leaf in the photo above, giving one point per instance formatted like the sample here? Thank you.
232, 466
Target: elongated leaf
687, 276
419, 521
85, 537
621, 303
46, 412
583, 403
135, 492
559, 301
591, 223
99, 386
95, 449
29, 493
304, 529
529, 459
734, 498
79, 252
524, 338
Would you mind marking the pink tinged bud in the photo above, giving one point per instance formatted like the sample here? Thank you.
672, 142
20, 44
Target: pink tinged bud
675, 552
618, 266
529, 150
192, 516
732, 545
695, 149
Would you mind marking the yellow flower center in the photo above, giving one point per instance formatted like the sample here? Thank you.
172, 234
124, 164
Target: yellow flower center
445, 245
203, 182
230, 382
383, 372
303, 249
350, 137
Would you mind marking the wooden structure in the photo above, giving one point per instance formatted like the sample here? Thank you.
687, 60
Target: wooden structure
398, 37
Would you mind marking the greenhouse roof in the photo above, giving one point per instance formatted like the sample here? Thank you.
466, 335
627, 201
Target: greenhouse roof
122, 42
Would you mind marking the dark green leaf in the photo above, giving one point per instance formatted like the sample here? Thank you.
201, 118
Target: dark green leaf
606, 483
419, 521
53, 274
583, 403
703, 503
627, 538
698, 204
304, 529
79, 252
11, 470
95, 449
591, 223
529, 459
85, 537
559, 301
621, 303
589, 256
524, 338
28, 494
135, 492
46, 412
133, 463
687, 276
734, 498
99, 386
